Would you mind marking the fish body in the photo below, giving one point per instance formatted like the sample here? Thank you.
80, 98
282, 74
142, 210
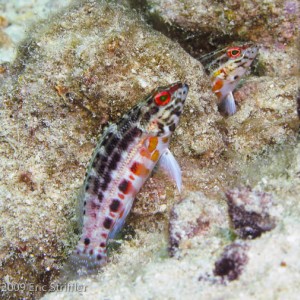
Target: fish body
121, 163
226, 69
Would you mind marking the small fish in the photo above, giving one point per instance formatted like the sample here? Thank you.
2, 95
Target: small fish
226, 69
122, 161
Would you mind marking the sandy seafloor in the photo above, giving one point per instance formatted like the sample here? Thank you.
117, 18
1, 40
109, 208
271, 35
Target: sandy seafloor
172, 244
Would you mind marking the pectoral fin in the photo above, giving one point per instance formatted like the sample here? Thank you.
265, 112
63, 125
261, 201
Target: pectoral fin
228, 105
171, 167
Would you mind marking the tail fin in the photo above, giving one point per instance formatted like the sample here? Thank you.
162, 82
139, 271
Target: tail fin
81, 264
227, 105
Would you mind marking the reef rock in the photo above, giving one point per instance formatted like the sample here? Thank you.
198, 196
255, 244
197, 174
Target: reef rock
83, 68
200, 25
249, 212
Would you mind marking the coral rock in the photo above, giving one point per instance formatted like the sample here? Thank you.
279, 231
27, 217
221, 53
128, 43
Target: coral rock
249, 212
232, 261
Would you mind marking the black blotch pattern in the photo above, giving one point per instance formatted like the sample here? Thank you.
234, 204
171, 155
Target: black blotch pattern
123, 186
129, 138
106, 180
147, 116
154, 110
100, 196
111, 145
100, 164
114, 161
107, 223
172, 127
87, 241
96, 185
176, 111
115, 205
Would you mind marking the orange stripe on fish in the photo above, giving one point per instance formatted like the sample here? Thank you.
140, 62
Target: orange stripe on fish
152, 143
155, 155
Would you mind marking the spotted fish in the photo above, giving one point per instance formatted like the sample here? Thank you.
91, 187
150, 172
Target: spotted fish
226, 69
122, 161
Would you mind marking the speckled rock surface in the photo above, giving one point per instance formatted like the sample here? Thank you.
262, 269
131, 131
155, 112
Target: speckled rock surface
204, 24
15, 19
85, 67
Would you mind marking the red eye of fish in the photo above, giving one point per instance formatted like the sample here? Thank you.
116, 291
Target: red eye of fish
162, 98
234, 52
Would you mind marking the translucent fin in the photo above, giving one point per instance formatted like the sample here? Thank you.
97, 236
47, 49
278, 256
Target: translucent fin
228, 105
171, 167
80, 265
120, 221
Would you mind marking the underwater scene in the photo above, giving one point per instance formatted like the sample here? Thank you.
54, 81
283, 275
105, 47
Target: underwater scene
149, 149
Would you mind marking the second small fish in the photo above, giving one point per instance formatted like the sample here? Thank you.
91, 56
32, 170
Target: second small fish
226, 68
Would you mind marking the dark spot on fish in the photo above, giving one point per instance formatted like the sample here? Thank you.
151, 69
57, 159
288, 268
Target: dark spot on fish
114, 161
129, 138
95, 206
101, 168
87, 187
235, 77
147, 116
111, 145
115, 205
123, 186
172, 127
160, 126
107, 223
96, 184
100, 197
106, 180
154, 110
102, 245
99, 257
84, 203
87, 241
177, 111
84, 212
91, 252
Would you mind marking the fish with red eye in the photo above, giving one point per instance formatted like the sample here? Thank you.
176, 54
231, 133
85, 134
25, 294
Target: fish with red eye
234, 52
162, 98
226, 67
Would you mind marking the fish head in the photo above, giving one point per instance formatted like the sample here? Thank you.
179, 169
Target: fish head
228, 69
162, 109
